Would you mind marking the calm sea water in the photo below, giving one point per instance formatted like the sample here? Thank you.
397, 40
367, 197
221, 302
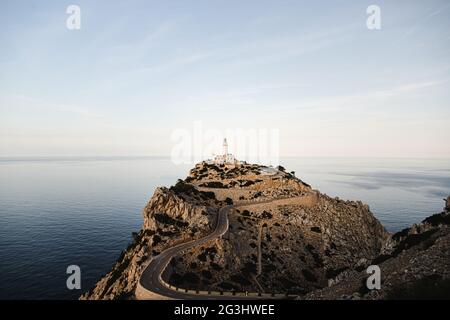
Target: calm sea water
55, 212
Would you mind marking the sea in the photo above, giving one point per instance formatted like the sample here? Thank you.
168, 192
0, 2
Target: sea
62, 211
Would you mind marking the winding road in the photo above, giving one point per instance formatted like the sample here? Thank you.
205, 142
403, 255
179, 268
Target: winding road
151, 286
151, 280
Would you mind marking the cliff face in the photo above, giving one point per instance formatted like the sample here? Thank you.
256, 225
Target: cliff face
283, 236
167, 204
171, 216
414, 264
288, 245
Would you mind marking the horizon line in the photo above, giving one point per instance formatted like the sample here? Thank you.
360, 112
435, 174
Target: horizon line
36, 157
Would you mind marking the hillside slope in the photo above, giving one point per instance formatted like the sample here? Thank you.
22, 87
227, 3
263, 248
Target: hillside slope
283, 237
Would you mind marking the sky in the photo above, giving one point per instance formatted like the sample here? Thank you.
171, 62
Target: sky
136, 71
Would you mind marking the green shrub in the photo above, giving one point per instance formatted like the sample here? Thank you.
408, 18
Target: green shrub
190, 277
429, 288
266, 215
309, 276
213, 184
183, 187
237, 278
206, 274
208, 195
166, 219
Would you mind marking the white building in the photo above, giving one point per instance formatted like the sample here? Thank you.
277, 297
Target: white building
225, 158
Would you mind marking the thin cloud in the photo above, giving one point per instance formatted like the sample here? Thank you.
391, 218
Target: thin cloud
138, 49
415, 27
275, 49
361, 98
31, 103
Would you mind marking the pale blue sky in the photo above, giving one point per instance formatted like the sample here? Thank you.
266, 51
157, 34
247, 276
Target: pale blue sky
137, 70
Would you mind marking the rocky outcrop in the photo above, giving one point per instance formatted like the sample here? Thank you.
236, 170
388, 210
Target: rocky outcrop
283, 237
171, 216
293, 245
176, 206
414, 264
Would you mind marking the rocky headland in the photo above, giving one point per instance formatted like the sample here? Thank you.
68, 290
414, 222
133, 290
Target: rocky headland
283, 237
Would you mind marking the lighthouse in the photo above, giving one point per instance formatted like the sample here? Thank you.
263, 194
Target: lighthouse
225, 158
225, 147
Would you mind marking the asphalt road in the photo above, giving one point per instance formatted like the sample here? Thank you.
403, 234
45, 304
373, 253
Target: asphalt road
151, 280
151, 277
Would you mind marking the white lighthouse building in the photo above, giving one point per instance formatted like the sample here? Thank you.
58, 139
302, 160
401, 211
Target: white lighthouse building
225, 146
225, 158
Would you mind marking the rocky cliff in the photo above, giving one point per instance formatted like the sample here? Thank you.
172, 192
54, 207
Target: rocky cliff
414, 264
283, 237
172, 215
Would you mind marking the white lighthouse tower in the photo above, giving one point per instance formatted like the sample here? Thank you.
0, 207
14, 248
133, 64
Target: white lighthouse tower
225, 158
225, 147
